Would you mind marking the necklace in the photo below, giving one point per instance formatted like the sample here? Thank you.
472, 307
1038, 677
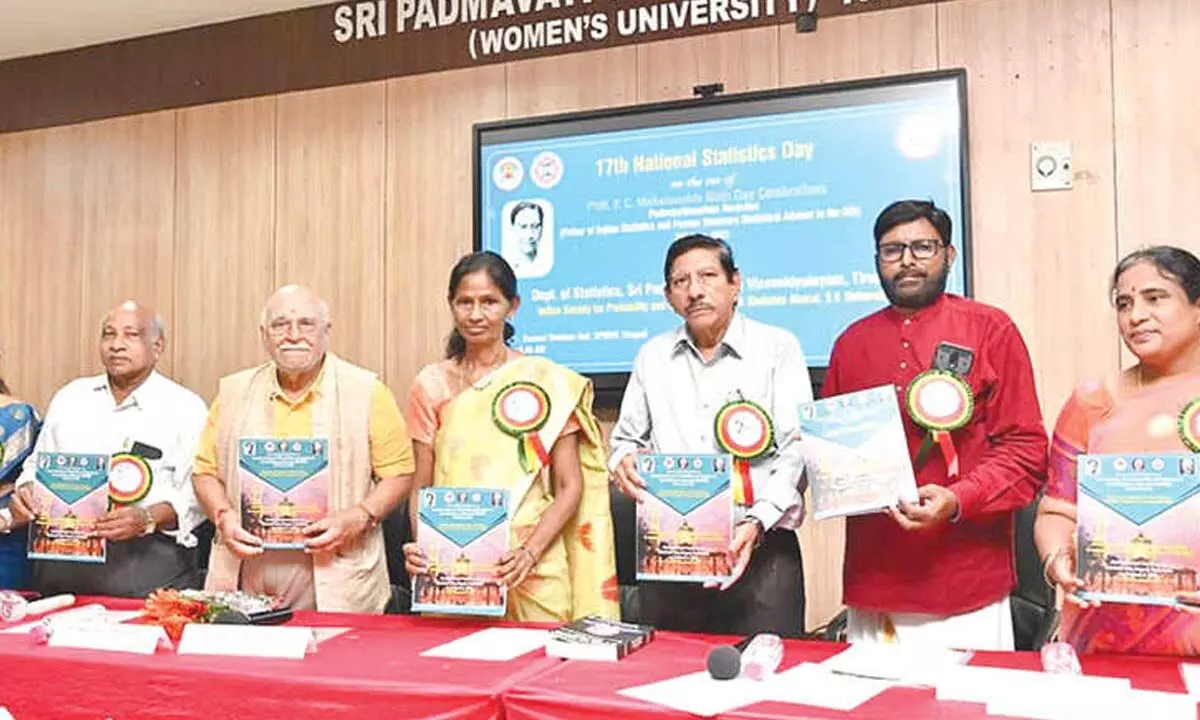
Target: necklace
479, 376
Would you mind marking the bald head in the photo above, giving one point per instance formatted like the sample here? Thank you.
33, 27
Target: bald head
145, 318
131, 341
294, 327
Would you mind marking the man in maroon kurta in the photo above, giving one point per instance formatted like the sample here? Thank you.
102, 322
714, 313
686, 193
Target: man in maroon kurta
939, 571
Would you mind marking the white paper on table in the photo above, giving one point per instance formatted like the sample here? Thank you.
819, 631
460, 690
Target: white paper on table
85, 613
699, 694
912, 664
1191, 677
1024, 693
1097, 703
816, 686
263, 641
495, 644
140, 639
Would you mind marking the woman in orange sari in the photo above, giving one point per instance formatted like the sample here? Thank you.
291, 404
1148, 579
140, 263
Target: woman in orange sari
561, 565
1156, 292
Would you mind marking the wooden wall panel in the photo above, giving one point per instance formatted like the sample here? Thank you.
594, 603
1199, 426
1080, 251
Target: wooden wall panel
584, 81
224, 238
891, 42
40, 262
429, 222
1039, 70
127, 200
743, 60
1155, 54
330, 209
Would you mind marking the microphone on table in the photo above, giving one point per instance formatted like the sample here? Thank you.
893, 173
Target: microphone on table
757, 656
725, 662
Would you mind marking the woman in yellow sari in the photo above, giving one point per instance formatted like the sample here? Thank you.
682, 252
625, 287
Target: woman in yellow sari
1156, 292
465, 414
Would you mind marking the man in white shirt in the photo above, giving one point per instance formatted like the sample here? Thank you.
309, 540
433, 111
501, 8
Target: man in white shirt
130, 408
721, 360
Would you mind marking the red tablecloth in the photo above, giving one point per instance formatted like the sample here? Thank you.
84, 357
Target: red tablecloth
587, 690
375, 671
372, 671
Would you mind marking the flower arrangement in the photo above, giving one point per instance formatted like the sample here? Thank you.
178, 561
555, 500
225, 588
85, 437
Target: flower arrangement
174, 609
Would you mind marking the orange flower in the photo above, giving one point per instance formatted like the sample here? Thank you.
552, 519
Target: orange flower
173, 611
174, 625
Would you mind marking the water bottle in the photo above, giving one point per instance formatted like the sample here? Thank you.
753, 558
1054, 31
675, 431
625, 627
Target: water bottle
12, 606
762, 656
1060, 658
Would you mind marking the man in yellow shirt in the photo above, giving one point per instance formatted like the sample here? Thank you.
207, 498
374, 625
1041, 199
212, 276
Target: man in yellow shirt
306, 393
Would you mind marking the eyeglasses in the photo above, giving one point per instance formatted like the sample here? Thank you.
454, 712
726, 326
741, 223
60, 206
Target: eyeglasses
920, 249
303, 326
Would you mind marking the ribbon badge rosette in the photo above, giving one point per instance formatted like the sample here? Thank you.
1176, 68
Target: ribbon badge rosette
744, 430
1189, 425
520, 410
129, 479
941, 402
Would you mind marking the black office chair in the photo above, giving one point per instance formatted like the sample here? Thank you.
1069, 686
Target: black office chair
204, 533
1033, 600
624, 518
397, 530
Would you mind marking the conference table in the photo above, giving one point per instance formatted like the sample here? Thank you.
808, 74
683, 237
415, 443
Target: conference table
578, 689
374, 669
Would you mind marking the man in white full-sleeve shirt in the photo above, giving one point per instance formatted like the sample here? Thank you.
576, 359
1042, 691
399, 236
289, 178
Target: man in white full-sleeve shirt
131, 408
720, 359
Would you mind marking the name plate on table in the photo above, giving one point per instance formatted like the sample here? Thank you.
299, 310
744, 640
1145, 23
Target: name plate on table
140, 639
288, 643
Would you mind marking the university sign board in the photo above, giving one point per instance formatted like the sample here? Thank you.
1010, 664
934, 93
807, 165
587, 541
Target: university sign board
352, 42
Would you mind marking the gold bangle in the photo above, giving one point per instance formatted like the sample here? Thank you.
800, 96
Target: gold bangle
532, 557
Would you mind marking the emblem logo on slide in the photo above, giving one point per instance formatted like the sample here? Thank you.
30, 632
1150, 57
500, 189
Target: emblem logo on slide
508, 173
547, 170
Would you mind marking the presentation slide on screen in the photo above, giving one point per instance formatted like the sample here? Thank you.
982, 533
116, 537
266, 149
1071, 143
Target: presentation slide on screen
585, 219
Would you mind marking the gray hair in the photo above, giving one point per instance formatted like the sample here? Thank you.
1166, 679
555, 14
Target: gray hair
157, 328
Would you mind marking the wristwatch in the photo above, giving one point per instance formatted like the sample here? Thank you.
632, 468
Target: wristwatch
150, 526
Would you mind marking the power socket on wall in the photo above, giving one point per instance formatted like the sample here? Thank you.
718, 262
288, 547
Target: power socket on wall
1050, 166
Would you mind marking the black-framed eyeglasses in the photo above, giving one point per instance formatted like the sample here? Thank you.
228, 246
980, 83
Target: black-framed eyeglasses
920, 249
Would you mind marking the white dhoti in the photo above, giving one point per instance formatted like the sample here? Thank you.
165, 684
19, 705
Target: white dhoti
988, 628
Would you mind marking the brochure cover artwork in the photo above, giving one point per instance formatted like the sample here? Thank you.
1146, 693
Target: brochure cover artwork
686, 523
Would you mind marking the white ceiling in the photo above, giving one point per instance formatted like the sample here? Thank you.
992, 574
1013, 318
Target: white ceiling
33, 27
